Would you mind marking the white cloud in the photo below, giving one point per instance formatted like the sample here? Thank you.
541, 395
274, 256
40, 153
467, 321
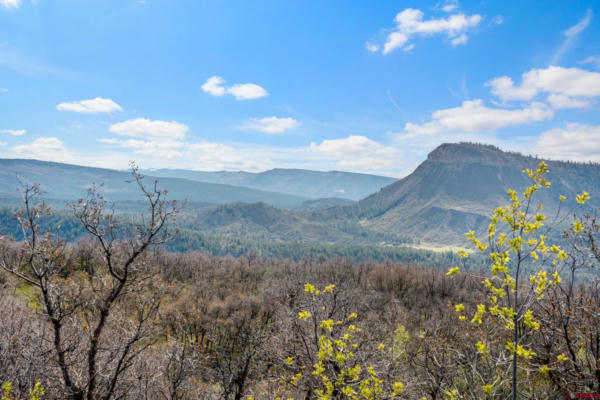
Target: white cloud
358, 153
219, 157
474, 116
10, 3
594, 60
580, 26
394, 40
450, 6
164, 149
560, 101
462, 39
410, 22
214, 86
447, 6
272, 125
4, 90
569, 82
48, 149
373, 48
247, 91
576, 142
92, 106
498, 20
147, 129
570, 35
241, 91
161, 139
13, 132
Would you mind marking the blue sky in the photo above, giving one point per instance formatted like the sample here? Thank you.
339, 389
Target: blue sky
251, 85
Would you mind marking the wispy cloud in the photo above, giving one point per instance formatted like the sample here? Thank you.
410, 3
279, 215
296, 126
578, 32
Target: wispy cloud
272, 125
570, 36
10, 3
92, 106
594, 60
13, 132
24, 64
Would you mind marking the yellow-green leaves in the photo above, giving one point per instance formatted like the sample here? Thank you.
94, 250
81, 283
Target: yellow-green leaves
583, 197
304, 315
482, 348
327, 325
520, 350
487, 389
398, 388
477, 318
529, 321
328, 289
540, 283
34, 394
309, 289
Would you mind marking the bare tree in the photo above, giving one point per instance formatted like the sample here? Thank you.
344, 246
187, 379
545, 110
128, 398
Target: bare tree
93, 348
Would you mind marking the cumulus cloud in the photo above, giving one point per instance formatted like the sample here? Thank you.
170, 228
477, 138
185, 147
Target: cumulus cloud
560, 101
214, 86
92, 106
358, 153
574, 142
48, 149
158, 138
566, 82
410, 23
147, 129
10, 3
13, 132
241, 91
272, 125
474, 116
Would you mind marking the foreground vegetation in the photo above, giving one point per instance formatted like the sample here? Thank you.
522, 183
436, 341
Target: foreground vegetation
114, 315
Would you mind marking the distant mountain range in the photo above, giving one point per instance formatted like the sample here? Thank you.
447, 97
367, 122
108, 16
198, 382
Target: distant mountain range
296, 182
293, 189
453, 191
450, 193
